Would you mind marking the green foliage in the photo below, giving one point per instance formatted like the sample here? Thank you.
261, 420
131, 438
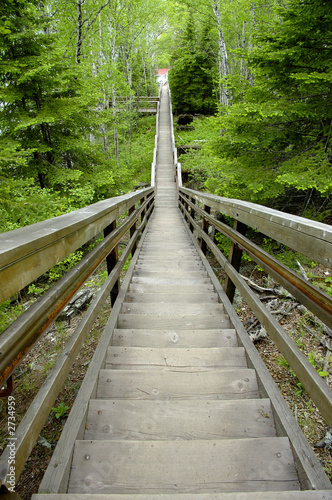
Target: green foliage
328, 282
57, 124
35, 290
64, 266
223, 243
61, 410
8, 313
23, 203
278, 134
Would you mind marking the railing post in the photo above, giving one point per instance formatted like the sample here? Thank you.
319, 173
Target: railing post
111, 261
192, 213
205, 228
144, 211
148, 213
235, 257
132, 229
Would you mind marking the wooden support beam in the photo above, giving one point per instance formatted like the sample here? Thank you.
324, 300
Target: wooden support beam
192, 213
132, 229
205, 227
111, 261
235, 257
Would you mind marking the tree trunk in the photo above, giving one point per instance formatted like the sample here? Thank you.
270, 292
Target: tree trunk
224, 94
79, 30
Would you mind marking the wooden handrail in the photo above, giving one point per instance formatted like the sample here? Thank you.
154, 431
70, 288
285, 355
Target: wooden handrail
23, 333
311, 238
28, 252
319, 302
314, 299
28, 431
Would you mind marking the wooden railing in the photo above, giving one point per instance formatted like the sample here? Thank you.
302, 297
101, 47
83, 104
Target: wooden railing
29, 252
141, 104
33, 250
308, 237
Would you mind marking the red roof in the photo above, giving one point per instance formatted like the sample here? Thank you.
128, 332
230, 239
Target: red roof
162, 71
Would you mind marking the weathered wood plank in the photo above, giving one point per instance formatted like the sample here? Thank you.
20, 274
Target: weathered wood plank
170, 420
161, 466
140, 384
185, 322
185, 289
127, 358
172, 273
181, 280
257, 495
175, 338
169, 308
311, 238
189, 298
311, 473
28, 252
161, 265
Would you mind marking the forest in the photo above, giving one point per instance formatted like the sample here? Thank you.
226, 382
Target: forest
256, 76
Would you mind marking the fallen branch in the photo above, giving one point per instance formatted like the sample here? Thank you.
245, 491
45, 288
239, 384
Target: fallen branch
257, 287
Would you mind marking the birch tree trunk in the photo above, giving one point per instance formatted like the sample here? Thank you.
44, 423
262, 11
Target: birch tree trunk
224, 94
79, 30
243, 45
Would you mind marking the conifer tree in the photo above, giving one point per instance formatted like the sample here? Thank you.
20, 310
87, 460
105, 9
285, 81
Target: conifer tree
46, 115
191, 76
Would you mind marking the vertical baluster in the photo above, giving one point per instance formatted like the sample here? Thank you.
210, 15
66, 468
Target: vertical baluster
235, 257
111, 261
205, 227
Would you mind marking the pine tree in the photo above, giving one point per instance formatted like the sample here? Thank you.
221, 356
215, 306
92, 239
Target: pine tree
46, 117
191, 75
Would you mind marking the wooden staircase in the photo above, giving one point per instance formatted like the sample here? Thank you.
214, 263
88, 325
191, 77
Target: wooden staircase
178, 412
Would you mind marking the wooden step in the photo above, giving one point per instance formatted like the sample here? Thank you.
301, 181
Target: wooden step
165, 246
157, 249
169, 261
175, 338
169, 280
154, 358
240, 383
159, 234
181, 321
166, 288
164, 467
172, 420
170, 254
170, 308
189, 298
257, 495
194, 265
172, 273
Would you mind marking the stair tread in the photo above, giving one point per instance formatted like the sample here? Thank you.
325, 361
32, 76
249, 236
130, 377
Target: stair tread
166, 321
181, 359
193, 384
167, 288
176, 273
188, 298
257, 495
170, 308
175, 338
170, 420
163, 466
